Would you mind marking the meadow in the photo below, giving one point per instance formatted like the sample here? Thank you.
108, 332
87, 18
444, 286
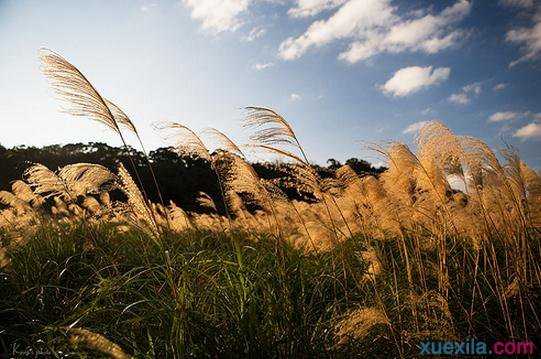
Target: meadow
442, 245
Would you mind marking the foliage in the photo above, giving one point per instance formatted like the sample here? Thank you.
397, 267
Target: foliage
181, 178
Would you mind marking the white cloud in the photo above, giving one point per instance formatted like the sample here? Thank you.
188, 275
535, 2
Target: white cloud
255, 34
260, 67
473, 88
463, 97
528, 38
415, 127
218, 15
503, 116
353, 16
532, 115
412, 79
459, 98
531, 130
295, 97
374, 27
517, 3
499, 87
306, 8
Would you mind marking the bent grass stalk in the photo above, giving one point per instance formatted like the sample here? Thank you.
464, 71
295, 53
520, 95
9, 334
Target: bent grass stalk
421, 238
83, 99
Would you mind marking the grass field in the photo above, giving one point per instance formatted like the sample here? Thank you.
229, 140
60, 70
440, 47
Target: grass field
443, 245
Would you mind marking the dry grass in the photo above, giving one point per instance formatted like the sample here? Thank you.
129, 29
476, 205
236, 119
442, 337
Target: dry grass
431, 251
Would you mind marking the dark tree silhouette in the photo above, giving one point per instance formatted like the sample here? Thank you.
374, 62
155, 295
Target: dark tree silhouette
333, 164
180, 178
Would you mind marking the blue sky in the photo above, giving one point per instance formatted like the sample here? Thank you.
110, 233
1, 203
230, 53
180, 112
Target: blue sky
345, 73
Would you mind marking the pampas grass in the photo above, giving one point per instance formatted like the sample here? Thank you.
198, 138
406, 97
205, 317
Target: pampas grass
81, 99
356, 324
123, 120
79, 96
365, 266
95, 341
141, 212
186, 141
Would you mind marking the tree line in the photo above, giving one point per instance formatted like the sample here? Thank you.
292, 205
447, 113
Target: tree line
180, 178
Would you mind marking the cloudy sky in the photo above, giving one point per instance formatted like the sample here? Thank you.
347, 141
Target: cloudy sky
345, 73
